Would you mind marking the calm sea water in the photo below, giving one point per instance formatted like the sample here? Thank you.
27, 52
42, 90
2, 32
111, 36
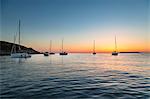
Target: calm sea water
102, 76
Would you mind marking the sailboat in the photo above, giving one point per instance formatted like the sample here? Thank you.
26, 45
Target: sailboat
94, 48
20, 53
51, 53
46, 53
115, 53
63, 53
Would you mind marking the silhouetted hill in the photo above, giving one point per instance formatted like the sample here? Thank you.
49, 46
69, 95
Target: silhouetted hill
5, 48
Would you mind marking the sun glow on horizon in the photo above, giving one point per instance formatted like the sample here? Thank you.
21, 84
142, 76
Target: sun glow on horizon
103, 43
101, 46
79, 23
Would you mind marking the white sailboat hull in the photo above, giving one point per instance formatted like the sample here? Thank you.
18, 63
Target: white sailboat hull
20, 55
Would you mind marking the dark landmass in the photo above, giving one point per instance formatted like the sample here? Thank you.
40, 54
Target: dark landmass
5, 48
129, 52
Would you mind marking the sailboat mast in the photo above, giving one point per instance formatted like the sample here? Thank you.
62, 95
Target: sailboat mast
19, 35
115, 44
19, 32
62, 44
94, 46
50, 46
14, 47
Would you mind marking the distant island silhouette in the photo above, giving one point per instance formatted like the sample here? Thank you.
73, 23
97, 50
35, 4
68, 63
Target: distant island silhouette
5, 48
129, 52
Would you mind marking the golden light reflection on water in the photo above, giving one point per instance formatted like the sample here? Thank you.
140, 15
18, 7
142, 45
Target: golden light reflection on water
93, 65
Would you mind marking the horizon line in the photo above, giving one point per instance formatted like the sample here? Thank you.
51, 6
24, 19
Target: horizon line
78, 51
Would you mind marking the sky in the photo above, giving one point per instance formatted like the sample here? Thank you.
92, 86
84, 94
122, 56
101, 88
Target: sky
78, 22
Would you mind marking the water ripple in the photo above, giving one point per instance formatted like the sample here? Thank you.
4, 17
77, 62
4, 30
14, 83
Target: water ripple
75, 77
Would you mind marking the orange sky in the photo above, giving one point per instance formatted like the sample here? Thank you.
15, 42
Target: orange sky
102, 45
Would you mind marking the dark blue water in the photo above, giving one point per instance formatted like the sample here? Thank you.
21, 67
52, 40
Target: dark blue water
76, 76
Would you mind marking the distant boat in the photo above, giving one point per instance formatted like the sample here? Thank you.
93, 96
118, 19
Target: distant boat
18, 53
115, 53
46, 54
51, 53
94, 53
62, 52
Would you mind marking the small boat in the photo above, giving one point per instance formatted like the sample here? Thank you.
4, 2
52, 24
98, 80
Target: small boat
19, 53
51, 53
63, 53
115, 53
46, 54
94, 53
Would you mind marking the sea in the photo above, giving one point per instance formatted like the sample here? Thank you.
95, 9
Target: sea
76, 76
